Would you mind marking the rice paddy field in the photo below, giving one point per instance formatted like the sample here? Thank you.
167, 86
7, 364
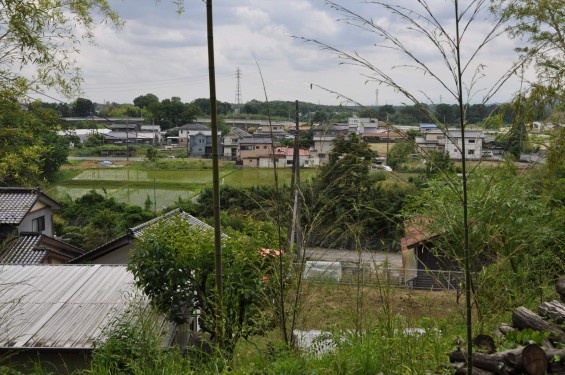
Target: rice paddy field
134, 182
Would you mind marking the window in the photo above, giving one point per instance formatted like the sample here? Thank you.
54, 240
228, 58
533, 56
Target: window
264, 147
455, 150
38, 224
471, 152
471, 141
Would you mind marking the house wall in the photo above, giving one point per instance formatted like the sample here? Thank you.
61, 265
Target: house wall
37, 211
198, 144
255, 150
117, 256
473, 147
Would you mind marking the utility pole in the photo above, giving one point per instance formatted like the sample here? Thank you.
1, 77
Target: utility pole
215, 180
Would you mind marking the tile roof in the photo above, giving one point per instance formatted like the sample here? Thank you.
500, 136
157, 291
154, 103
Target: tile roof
193, 126
15, 203
62, 306
33, 248
24, 250
238, 132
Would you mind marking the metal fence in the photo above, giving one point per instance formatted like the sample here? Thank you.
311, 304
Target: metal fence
375, 275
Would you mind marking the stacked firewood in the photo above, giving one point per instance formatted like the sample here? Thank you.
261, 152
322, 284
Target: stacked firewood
547, 357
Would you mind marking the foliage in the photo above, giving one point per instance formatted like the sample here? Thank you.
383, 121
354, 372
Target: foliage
30, 150
400, 152
132, 344
83, 108
541, 24
514, 236
380, 349
95, 219
32, 31
144, 101
347, 202
174, 265
438, 162
172, 112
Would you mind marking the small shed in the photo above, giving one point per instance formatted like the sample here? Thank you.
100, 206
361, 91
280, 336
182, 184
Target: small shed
56, 313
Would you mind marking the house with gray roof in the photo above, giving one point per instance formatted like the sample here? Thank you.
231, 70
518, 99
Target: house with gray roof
56, 314
197, 138
26, 210
230, 143
26, 229
118, 250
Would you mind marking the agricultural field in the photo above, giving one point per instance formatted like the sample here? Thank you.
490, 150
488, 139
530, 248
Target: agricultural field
163, 183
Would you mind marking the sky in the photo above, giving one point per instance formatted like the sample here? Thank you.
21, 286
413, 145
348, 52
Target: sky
158, 51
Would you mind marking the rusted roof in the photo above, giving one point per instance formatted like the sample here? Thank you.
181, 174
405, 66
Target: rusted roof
60, 306
16, 202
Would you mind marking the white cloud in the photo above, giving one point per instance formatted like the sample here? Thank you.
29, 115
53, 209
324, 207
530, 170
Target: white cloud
160, 52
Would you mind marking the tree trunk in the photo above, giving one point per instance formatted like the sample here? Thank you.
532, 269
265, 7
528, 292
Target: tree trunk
534, 359
524, 318
554, 310
488, 362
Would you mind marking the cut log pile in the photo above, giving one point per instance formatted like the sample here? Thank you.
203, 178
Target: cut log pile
547, 357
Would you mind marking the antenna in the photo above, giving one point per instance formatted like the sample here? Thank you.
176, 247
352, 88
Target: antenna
376, 97
238, 100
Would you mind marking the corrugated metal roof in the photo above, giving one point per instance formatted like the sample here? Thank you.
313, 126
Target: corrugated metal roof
60, 306
15, 203
24, 250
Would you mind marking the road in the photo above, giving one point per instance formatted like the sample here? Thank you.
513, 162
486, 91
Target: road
371, 257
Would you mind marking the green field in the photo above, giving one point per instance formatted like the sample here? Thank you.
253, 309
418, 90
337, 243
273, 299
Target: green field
130, 195
133, 184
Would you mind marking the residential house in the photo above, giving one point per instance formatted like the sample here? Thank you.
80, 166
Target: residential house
56, 314
274, 129
130, 133
253, 149
26, 229
473, 144
431, 139
304, 160
323, 137
361, 125
231, 143
154, 130
118, 250
197, 138
26, 210
450, 141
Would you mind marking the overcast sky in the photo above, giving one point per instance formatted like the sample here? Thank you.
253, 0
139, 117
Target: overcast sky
160, 52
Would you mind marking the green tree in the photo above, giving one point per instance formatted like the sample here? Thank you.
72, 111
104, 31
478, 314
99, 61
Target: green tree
31, 33
94, 219
83, 108
438, 162
30, 150
173, 112
400, 153
173, 263
541, 25
514, 235
144, 101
